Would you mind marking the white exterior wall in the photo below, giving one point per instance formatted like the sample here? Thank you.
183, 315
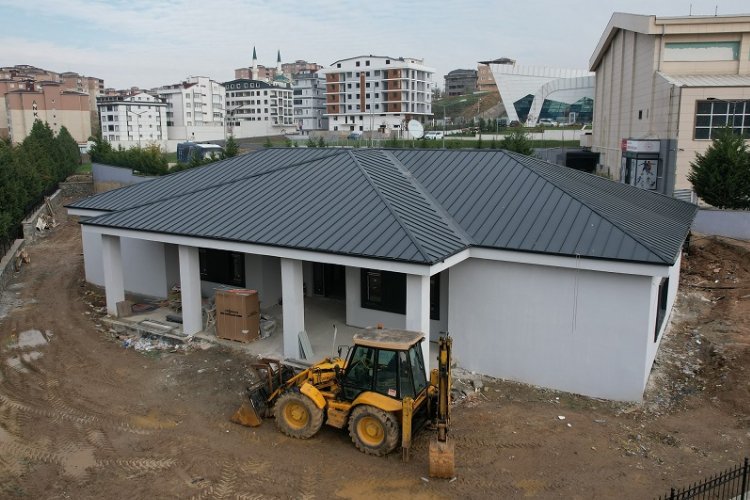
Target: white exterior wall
653, 346
579, 331
358, 316
144, 263
263, 273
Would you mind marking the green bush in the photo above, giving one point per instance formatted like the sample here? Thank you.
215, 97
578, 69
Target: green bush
147, 161
721, 175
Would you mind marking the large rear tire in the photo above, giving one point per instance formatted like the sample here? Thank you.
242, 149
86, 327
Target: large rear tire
297, 416
374, 431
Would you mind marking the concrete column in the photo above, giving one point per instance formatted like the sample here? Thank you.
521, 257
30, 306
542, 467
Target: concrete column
418, 311
190, 290
293, 307
114, 285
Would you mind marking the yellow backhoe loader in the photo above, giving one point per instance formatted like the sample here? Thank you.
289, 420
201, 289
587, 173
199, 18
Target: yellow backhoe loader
378, 390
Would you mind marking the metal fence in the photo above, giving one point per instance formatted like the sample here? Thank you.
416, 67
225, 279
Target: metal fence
731, 484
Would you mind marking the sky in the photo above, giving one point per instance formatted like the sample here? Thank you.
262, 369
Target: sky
149, 43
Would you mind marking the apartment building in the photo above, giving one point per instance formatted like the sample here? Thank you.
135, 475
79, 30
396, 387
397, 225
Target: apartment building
299, 66
256, 108
195, 110
309, 102
664, 86
22, 102
92, 86
60, 91
377, 93
136, 120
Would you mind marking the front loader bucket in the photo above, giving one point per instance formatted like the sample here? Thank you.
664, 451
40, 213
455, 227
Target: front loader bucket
247, 416
442, 458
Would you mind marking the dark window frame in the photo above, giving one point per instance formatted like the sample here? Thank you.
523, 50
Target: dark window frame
392, 294
393, 283
661, 306
221, 266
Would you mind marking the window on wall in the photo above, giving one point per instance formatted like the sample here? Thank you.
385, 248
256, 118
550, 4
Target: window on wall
701, 51
713, 115
661, 309
219, 266
386, 291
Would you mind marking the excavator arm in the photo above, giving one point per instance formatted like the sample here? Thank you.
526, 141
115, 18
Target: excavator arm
442, 450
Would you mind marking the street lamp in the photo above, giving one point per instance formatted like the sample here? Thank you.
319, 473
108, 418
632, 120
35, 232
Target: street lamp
138, 123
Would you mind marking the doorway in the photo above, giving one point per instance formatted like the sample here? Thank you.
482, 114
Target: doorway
329, 280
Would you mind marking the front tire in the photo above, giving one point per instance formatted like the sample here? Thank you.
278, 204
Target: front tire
374, 431
297, 416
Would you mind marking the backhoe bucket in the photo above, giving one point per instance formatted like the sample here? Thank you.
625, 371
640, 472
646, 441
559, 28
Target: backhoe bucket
247, 416
251, 412
442, 458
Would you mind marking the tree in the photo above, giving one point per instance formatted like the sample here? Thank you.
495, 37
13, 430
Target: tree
231, 148
69, 154
268, 143
721, 175
321, 142
311, 142
518, 142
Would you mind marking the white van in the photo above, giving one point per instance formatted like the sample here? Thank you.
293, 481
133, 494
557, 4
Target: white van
433, 135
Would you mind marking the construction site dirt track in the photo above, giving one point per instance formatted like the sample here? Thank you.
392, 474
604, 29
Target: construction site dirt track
83, 417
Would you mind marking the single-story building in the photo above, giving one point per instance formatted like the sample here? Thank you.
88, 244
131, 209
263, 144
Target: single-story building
542, 274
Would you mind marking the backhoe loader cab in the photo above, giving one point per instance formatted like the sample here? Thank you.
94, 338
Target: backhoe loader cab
387, 362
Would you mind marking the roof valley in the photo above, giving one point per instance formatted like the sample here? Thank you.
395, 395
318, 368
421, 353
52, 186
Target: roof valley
390, 206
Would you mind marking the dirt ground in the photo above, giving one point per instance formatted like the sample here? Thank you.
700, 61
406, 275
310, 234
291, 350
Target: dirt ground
83, 417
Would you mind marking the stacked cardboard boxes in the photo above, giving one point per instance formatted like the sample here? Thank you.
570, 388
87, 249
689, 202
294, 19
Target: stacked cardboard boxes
237, 315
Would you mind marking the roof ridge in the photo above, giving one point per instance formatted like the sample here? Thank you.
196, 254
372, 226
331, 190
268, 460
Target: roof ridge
389, 205
604, 216
451, 222
227, 182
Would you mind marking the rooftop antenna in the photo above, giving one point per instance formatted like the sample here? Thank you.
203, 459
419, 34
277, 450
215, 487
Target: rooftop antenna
690, 13
716, 10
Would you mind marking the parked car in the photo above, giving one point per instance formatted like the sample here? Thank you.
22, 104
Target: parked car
515, 123
547, 122
434, 135
355, 136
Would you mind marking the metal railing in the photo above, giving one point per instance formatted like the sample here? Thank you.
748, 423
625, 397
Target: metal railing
729, 485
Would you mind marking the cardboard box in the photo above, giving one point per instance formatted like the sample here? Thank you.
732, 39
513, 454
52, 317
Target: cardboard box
237, 315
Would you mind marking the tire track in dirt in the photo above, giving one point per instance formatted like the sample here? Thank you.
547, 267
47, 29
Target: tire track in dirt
71, 415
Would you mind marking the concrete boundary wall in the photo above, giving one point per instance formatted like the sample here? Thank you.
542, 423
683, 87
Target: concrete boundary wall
728, 223
7, 261
29, 224
109, 177
7, 264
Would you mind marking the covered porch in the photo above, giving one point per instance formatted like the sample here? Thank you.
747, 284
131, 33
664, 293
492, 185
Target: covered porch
304, 297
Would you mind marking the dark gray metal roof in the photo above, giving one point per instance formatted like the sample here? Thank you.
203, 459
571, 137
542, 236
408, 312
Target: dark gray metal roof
415, 205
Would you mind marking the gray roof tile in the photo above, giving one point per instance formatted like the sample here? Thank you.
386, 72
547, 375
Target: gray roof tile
408, 205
